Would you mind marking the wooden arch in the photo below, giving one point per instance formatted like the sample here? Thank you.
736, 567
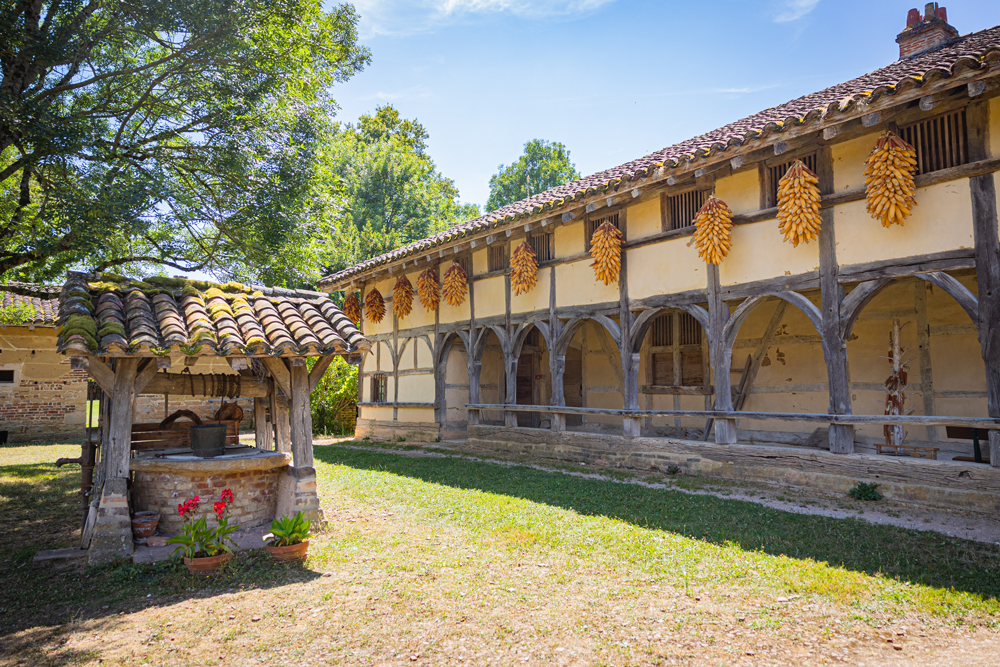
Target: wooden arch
741, 313
642, 323
522, 332
571, 327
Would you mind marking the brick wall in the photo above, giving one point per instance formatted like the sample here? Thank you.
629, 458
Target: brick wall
47, 399
254, 504
149, 408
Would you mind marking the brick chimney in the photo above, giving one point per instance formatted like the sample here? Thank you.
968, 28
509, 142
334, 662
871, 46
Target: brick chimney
925, 33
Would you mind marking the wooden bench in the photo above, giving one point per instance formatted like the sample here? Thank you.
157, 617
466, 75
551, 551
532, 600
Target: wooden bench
914, 451
177, 434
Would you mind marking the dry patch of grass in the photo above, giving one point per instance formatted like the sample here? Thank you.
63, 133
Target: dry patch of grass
448, 561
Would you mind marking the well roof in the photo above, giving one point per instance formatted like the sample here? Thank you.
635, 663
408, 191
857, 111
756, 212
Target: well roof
972, 51
43, 298
112, 315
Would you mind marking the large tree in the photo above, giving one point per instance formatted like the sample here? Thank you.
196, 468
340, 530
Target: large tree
387, 187
180, 133
544, 165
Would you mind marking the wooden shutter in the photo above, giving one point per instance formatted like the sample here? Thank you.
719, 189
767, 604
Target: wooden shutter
692, 369
681, 208
941, 142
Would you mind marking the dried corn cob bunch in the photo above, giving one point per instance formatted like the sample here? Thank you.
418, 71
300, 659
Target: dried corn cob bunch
402, 297
429, 289
523, 269
713, 235
375, 305
455, 285
606, 249
889, 185
352, 307
798, 204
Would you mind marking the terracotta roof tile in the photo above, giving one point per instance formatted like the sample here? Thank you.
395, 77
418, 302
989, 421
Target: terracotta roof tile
163, 315
40, 297
971, 51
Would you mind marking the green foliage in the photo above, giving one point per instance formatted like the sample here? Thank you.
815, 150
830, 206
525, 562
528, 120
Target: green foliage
17, 313
544, 165
111, 327
289, 530
166, 133
337, 390
865, 491
383, 189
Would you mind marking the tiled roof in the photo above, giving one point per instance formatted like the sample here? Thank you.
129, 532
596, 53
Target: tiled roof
40, 297
107, 314
971, 51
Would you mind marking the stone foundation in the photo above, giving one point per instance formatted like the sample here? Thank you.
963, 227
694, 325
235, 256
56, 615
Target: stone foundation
112, 536
160, 485
391, 430
950, 485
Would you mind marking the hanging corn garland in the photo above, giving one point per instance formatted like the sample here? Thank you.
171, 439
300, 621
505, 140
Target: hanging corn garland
798, 204
523, 269
429, 289
713, 236
889, 187
606, 249
375, 305
455, 285
352, 307
402, 297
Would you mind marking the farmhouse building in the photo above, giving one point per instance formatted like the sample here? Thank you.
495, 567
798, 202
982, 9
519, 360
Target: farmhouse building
773, 362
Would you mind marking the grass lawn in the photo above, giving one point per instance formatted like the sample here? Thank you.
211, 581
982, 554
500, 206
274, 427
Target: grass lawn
452, 561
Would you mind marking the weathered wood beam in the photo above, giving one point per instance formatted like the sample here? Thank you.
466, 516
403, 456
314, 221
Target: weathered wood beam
300, 417
101, 372
146, 371
318, 370
279, 372
177, 384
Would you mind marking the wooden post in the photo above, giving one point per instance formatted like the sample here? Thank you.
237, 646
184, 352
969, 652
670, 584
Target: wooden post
473, 368
300, 417
631, 426
557, 361
112, 537
279, 418
831, 296
510, 380
924, 344
987, 244
262, 428
721, 356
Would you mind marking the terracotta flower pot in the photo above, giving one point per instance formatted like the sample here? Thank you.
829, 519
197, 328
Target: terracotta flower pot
206, 564
144, 524
293, 553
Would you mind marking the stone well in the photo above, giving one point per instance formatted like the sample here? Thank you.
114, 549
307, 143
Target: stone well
163, 482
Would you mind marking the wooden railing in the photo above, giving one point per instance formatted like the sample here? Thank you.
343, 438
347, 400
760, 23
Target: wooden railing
822, 418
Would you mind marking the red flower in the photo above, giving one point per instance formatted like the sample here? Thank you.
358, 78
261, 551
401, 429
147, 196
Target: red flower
220, 508
227, 496
189, 505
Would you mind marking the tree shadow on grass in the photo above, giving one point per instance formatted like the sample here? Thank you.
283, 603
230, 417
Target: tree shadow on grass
918, 557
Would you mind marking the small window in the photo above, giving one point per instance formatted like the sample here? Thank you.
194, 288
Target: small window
690, 330
544, 246
662, 332
679, 210
496, 257
941, 142
466, 263
595, 221
379, 384
6, 377
774, 174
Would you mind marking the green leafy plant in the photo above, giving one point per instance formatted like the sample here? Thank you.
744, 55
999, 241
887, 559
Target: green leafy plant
17, 313
289, 530
199, 540
865, 491
335, 395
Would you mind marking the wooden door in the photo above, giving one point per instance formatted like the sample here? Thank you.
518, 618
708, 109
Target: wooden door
573, 384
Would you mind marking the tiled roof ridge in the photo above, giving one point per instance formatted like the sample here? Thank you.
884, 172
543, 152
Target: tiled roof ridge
38, 290
103, 313
44, 301
970, 51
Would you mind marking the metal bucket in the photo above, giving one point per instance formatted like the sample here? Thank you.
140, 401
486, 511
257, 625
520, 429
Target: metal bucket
208, 440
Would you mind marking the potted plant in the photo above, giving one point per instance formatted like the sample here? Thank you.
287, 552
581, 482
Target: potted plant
289, 538
204, 548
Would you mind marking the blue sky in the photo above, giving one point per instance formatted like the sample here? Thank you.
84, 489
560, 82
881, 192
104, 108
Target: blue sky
611, 79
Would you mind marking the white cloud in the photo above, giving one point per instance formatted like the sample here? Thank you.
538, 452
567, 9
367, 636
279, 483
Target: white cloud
400, 17
793, 10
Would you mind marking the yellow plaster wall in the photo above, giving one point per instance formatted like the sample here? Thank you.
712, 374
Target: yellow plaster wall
569, 239
536, 299
406, 358
459, 313
377, 414
384, 286
759, 252
576, 285
942, 220
741, 190
849, 161
491, 297
416, 388
425, 415
644, 219
425, 357
479, 262
419, 316
456, 375
663, 268
369, 364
